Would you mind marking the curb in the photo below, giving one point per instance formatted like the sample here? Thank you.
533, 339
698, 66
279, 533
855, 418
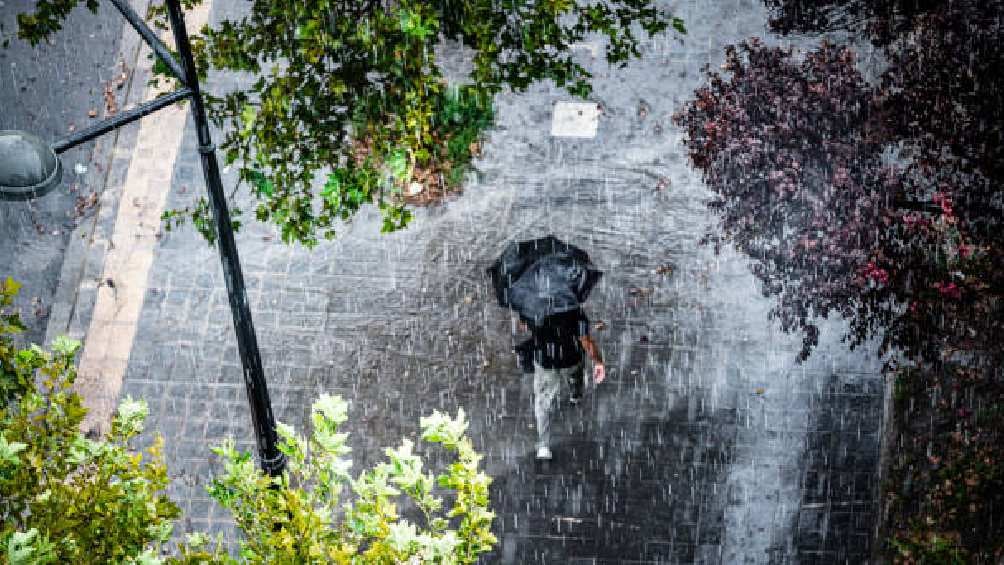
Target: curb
83, 261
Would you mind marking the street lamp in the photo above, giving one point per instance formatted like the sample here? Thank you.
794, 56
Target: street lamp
30, 168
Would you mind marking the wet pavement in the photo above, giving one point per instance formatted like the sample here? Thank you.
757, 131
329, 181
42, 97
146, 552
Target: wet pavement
708, 443
46, 90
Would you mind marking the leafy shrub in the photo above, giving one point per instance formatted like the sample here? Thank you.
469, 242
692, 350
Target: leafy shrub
65, 498
300, 517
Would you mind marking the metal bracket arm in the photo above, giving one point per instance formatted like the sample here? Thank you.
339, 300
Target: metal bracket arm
119, 119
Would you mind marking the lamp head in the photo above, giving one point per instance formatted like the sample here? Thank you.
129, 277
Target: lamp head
29, 168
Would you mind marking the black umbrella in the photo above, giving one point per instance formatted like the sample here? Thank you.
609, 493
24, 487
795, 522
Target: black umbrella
542, 277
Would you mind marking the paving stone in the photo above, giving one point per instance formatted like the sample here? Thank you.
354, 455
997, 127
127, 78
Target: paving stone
676, 459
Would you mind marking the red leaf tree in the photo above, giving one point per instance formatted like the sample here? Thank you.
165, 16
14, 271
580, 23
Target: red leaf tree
879, 202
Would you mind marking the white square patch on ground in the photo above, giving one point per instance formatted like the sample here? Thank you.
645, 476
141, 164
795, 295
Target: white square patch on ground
590, 47
575, 119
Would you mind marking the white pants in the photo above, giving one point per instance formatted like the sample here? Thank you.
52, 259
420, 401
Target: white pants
546, 383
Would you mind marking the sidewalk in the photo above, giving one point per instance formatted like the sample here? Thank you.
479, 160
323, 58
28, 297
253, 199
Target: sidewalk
707, 443
49, 90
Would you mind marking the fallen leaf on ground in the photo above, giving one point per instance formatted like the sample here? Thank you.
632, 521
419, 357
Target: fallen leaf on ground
111, 105
84, 203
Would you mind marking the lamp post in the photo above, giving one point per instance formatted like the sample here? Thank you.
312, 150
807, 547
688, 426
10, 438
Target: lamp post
30, 168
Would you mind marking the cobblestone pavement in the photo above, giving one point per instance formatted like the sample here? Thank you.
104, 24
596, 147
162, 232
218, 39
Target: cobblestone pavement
707, 444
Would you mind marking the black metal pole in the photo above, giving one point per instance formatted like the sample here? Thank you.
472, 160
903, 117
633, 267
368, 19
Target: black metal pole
148, 35
272, 460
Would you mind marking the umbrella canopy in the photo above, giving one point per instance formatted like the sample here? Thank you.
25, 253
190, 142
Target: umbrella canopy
542, 277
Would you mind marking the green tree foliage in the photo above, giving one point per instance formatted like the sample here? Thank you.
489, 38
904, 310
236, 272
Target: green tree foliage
65, 498
348, 105
48, 18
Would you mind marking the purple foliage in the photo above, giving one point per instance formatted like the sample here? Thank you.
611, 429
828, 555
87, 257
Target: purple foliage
905, 248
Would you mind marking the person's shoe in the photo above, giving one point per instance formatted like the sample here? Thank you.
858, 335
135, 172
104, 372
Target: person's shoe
575, 387
544, 452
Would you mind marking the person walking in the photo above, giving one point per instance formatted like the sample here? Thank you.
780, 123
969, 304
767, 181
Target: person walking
545, 281
558, 344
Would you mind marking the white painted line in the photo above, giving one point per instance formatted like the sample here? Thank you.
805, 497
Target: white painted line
575, 119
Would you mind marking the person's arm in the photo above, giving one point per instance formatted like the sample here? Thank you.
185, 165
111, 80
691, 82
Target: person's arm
589, 346
591, 349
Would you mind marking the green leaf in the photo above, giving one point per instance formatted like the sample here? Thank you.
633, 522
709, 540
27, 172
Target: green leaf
64, 345
397, 163
332, 189
249, 115
148, 557
11, 287
9, 451
131, 415
402, 536
678, 25
440, 428
263, 186
328, 409
20, 548
414, 25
